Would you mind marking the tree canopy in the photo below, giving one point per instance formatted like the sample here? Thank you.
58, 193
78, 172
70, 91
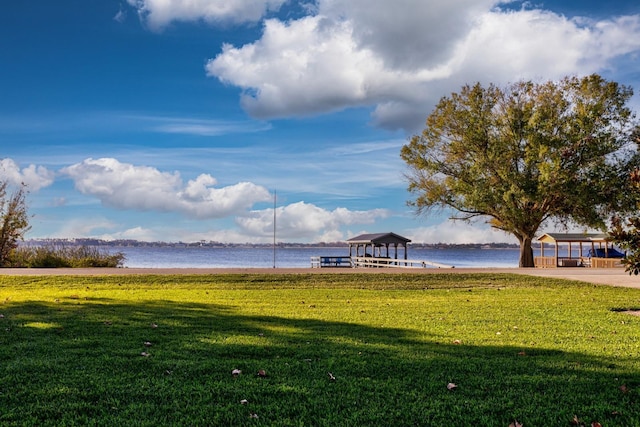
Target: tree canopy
14, 220
527, 153
626, 234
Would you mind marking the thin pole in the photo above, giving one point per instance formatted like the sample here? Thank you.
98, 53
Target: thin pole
274, 228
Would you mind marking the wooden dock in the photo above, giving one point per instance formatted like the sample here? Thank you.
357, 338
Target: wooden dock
370, 262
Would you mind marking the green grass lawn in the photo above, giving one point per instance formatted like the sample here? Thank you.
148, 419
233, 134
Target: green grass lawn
337, 350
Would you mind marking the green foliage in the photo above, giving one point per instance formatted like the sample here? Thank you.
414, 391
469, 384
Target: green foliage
627, 236
64, 256
14, 221
533, 349
526, 153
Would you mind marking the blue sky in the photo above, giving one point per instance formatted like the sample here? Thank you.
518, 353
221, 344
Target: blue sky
177, 120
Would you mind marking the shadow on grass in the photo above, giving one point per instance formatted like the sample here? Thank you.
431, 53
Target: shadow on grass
86, 362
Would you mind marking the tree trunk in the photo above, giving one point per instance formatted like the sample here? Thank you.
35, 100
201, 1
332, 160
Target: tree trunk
526, 252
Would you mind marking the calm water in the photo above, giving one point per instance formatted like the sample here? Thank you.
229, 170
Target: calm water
206, 257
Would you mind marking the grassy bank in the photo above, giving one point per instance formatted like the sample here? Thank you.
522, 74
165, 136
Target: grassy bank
336, 350
60, 256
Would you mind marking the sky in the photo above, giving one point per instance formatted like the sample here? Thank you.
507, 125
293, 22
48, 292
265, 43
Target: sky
189, 120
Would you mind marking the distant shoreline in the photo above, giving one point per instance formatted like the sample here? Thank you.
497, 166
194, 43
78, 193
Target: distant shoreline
280, 245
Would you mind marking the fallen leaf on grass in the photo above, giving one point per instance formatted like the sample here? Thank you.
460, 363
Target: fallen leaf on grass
252, 415
596, 424
154, 325
451, 386
576, 421
522, 353
236, 372
515, 423
331, 377
262, 373
147, 344
145, 354
244, 402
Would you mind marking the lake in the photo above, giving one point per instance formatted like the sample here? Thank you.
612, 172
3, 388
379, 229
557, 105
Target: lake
263, 257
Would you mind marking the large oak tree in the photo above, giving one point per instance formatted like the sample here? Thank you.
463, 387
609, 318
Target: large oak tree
526, 153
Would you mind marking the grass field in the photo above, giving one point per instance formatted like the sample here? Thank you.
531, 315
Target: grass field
335, 350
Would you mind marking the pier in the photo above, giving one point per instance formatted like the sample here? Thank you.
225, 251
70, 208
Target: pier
372, 251
370, 262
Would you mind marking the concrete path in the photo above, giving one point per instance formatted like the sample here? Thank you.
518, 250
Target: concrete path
604, 276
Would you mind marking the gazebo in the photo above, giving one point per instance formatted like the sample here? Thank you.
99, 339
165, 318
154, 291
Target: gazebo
376, 243
600, 256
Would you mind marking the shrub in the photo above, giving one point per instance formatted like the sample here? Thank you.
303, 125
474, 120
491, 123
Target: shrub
56, 256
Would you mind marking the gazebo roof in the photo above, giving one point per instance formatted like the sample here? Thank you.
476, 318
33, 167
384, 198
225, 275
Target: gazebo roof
379, 239
573, 237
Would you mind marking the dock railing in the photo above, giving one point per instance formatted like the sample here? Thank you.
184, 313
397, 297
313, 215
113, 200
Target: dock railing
369, 262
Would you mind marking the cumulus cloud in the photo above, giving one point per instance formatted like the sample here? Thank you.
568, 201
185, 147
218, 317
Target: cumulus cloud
159, 13
141, 234
34, 177
457, 232
306, 221
143, 188
401, 57
83, 227
296, 222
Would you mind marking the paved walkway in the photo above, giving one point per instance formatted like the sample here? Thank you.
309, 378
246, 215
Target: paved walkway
604, 276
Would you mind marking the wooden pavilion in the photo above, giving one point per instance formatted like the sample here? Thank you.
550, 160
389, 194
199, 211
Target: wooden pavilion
598, 254
372, 245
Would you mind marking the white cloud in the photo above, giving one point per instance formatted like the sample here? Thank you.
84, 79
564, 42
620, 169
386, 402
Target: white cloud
458, 232
137, 233
304, 221
205, 127
143, 188
159, 13
121, 16
402, 57
82, 227
407, 34
34, 177
508, 45
298, 222
309, 66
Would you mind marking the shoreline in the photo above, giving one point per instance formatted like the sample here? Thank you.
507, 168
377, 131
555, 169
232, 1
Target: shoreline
601, 276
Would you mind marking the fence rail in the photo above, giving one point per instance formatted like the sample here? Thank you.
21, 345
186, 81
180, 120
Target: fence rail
369, 262
595, 262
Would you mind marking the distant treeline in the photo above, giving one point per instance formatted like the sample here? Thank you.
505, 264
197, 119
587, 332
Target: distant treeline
213, 244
